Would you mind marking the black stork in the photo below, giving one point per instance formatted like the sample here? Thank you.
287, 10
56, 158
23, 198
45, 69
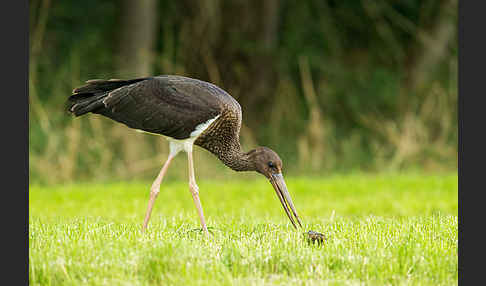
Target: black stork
186, 111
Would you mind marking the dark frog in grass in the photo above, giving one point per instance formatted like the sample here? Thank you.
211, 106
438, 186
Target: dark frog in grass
313, 236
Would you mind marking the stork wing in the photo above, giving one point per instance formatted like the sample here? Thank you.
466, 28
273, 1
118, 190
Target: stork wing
167, 105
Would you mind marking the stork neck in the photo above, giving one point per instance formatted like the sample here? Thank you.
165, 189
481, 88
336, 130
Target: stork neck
238, 160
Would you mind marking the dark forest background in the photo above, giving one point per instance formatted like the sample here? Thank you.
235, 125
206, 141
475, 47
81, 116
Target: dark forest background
332, 86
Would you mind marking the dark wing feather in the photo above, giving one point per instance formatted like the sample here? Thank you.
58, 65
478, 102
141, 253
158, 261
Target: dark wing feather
167, 105
89, 97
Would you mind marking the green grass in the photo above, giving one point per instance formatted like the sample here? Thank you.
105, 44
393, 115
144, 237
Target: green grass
381, 230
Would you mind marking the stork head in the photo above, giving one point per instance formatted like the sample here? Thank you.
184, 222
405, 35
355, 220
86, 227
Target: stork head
269, 164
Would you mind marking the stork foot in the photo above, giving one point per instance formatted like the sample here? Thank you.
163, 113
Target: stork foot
195, 196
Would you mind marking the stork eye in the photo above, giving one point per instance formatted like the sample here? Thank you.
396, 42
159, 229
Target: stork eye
270, 164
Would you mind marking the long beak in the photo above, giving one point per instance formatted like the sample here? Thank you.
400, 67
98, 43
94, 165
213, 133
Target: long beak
280, 187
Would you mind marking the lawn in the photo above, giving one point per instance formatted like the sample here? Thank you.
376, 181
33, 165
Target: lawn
388, 229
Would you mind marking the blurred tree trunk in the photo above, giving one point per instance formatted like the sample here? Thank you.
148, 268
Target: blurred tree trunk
270, 21
263, 66
138, 22
134, 58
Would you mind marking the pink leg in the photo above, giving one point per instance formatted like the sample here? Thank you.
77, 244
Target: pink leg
154, 191
195, 193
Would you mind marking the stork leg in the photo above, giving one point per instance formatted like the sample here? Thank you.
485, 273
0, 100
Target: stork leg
195, 192
155, 189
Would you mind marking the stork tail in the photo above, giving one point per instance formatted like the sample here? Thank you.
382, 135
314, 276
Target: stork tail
89, 97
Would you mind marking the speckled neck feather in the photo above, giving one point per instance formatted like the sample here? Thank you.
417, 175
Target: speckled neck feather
222, 139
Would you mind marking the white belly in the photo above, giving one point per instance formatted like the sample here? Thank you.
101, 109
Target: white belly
177, 145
